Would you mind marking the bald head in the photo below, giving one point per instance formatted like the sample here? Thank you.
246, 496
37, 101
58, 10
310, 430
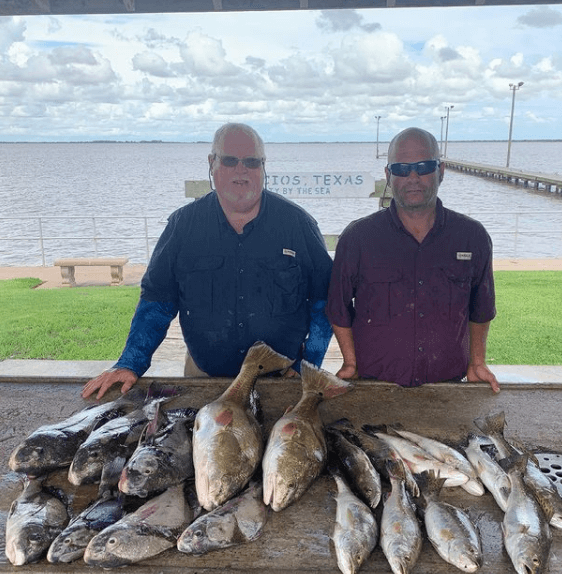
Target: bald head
417, 135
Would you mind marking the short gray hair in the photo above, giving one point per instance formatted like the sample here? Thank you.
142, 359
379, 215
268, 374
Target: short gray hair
415, 133
220, 134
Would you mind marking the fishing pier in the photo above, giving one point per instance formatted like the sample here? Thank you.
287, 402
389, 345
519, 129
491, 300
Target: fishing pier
539, 181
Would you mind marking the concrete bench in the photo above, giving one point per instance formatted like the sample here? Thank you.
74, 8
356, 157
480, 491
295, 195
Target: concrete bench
68, 265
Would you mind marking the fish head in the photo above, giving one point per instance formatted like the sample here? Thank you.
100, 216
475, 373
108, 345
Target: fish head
213, 533
87, 465
69, 545
27, 543
38, 455
528, 560
111, 548
122, 544
350, 553
466, 559
281, 489
149, 470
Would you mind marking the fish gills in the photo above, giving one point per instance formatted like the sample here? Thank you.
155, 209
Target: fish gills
296, 448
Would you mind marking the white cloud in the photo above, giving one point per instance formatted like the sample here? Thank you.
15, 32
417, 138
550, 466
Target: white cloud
326, 77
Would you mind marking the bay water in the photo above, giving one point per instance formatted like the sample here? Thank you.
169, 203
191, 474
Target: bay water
65, 193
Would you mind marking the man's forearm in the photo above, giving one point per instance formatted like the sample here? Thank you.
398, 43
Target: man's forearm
478, 339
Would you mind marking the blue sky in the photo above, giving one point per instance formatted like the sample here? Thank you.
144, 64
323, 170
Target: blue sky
293, 75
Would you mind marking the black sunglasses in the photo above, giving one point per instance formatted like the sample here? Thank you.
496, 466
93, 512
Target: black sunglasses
420, 167
249, 162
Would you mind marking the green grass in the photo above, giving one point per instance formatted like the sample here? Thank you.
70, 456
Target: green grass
91, 323
85, 323
528, 327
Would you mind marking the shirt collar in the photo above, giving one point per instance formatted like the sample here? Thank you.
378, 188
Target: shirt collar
223, 221
439, 216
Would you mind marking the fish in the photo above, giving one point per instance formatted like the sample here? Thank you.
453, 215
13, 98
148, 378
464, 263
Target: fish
378, 452
526, 533
163, 458
71, 543
238, 521
356, 466
542, 487
400, 531
35, 519
491, 474
151, 529
296, 449
227, 437
116, 438
418, 460
356, 530
53, 446
449, 529
448, 455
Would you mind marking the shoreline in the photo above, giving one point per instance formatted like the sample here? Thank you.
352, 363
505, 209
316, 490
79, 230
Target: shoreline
132, 274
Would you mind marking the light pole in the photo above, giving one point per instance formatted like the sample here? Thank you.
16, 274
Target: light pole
447, 130
513, 88
441, 147
378, 120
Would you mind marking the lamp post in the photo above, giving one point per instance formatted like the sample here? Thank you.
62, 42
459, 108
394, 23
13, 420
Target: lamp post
441, 147
448, 108
513, 88
378, 120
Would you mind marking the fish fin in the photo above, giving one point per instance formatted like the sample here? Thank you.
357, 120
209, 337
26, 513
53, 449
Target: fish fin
322, 382
374, 429
430, 483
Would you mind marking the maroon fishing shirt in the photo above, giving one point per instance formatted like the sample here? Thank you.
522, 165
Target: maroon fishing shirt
409, 303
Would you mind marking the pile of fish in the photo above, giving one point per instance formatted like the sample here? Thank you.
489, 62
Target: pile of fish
203, 480
158, 469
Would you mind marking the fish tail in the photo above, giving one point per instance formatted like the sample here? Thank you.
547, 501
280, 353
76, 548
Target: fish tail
492, 425
515, 463
395, 469
262, 359
430, 483
321, 382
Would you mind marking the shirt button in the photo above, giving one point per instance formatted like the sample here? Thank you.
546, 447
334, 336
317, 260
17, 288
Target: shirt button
241, 297
420, 349
421, 314
242, 351
241, 270
420, 282
240, 325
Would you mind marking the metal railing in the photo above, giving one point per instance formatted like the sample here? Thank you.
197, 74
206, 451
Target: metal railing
49, 237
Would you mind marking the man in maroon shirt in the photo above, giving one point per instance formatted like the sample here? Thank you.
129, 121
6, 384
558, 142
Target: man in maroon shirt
412, 289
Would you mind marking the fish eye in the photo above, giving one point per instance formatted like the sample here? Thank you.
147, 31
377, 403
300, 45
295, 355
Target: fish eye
94, 454
198, 533
147, 471
112, 541
67, 541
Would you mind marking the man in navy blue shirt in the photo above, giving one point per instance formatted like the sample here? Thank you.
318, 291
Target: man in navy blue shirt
412, 290
239, 265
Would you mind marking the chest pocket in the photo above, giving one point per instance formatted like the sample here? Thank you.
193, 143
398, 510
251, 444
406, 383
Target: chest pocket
458, 282
199, 283
376, 293
286, 286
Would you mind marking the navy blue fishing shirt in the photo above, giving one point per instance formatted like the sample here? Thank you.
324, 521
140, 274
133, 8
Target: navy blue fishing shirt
231, 290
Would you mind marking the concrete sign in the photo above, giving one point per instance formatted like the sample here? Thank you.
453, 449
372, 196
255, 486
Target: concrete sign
317, 184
